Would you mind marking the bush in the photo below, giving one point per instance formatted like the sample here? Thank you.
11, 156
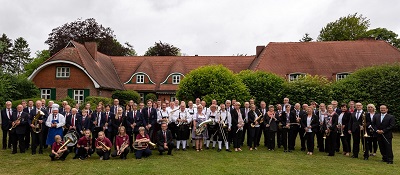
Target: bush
125, 96
212, 82
150, 96
71, 101
94, 101
15, 103
14, 88
308, 88
263, 86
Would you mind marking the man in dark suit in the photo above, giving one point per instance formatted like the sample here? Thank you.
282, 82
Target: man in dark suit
6, 115
108, 129
45, 129
66, 113
334, 103
303, 114
37, 138
354, 128
28, 110
245, 112
98, 119
295, 117
73, 122
164, 137
114, 108
383, 124
17, 134
150, 116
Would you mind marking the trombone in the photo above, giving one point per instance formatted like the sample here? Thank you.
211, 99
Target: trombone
363, 131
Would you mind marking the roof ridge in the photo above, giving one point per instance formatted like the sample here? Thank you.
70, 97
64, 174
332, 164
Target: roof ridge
79, 53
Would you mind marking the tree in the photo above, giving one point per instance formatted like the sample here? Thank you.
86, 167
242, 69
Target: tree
125, 96
88, 31
308, 88
212, 82
263, 86
306, 38
41, 56
162, 49
13, 87
20, 55
351, 27
385, 35
150, 96
6, 53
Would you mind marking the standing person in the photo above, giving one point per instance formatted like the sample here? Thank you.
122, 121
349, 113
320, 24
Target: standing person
37, 138
6, 115
192, 110
373, 142
28, 110
57, 151
383, 125
107, 128
84, 146
103, 146
98, 120
150, 117
245, 113
55, 121
263, 110
279, 112
74, 123
355, 129
143, 138
45, 129
223, 119
114, 108
165, 142
271, 127
66, 113
322, 114
182, 131
334, 103
117, 121
237, 126
343, 121
330, 127
19, 121
199, 117
212, 127
295, 117
303, 114
286, 134
253, 131
310, 124
122, 144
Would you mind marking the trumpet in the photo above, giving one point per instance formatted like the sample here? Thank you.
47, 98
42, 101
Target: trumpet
123, 147
15, 123
341, 130
105, 148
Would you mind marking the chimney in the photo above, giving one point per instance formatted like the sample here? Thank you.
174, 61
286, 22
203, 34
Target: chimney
259, 49
196, 55
91, 47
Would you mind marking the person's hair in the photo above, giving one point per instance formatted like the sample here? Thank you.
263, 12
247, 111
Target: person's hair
372, 105
343, 105
101, 132
57, 137
141, 128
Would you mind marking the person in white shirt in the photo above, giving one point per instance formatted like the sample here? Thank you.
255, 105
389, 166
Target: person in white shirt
223, 119
182, 118
55, 122
212, 127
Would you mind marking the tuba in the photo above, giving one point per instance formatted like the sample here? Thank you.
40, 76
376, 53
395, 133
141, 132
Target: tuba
38, 127
202, 126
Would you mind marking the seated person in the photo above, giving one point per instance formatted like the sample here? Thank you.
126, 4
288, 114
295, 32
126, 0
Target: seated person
58, 152
144, 139
122, 144
84, 146
165, 142
103, 146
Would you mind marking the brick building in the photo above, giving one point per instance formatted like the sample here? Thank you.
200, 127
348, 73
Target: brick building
79, 70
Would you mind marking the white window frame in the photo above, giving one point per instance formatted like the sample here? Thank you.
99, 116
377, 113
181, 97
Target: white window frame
141, 78
341, 76
141, 97
295, 76
62, 72
45, 93
173, 98
176, 79
79, 95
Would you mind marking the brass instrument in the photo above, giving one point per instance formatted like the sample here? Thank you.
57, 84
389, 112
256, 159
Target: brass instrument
202, 126
273, 117
181, 122
170, 114
328, 125
143, 145
363, 128
290, 125
105, 148
341, 130
35, 122
123, 147
240, 123
257, 119
222, 122
62, 147
15, 123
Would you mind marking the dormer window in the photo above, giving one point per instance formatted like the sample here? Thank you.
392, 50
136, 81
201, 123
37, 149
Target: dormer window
176, 79
62, 72
139, 78
340, 76
295, 76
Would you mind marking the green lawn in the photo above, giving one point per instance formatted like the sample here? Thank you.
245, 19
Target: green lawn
210, 161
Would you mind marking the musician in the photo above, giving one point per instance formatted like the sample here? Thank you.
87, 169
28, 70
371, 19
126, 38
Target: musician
279, 111
37, 138
28, 110
134, 121
212, 127
301, 130
98, 120
229, 107
74, 122
103, 149
199, 117
62, 109
334, 103
114, 108
164, 138
172, 109
86, 122
253, 131
205, 110
245, 113
122, 144
88, 110
271, 120
372, 141
141, 107
322, 114
142, 138
295, 117
150, 117
237, 126
182, 131
117, 121
192, 110
66, 113
45, 128
383, 124
107, 128
286, 103
6, 115
55, 122
224, 121
330, 127
351, 106
343, 121
355, 126
197, 103
57, 151
78, 108
286, 134
19, 120
310, 124
128, 109
263, 110
84, 146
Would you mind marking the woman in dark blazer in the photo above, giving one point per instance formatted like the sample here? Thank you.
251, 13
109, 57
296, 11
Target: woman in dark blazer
310, 125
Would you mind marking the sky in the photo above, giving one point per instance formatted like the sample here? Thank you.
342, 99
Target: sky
197, 27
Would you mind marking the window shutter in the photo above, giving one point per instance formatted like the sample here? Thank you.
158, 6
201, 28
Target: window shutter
86, 93
53, 93
71, 93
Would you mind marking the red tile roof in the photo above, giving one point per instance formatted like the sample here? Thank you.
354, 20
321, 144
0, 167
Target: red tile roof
324, 58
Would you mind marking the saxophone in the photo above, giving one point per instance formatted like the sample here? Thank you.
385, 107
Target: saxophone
38, 127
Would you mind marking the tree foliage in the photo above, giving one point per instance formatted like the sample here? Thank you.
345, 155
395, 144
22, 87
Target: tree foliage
95, 100
6, 53
263, 86
14, 87
20, 55
150, 96
41, 56
125, 96
308, 88
88, 31
385, 35
306, 38
162, 49
212, 82
350, 27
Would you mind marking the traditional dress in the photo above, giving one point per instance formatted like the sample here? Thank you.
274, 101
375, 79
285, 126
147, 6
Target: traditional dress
199, 118
60, 120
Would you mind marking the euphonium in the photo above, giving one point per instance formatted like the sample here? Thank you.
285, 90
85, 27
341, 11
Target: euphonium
202, 126
35, 122
104, 146
62, 147
143, 145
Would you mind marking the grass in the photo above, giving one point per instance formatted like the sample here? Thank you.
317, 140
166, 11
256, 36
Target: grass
260, 161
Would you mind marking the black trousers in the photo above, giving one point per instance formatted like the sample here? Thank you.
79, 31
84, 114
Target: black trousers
37, 140
279, 138
212, 132
222, 135
122, 155
83, 153
131, 140
320, 141
244, 132
18, 139
172, 128
330, 143
385, 148
95, 134
5, 133
63, 156
302, 139
285, 133
105, 155
251, 136
356, 143
142, 153
182, 132
170, 147
262, 130
27, 137
293, 131
271, 139
237, 137
365, 141
310, 141
345, 144
373, 144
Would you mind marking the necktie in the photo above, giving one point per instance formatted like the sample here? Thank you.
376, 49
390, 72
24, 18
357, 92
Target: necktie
149, 112
73, 120
99, 119
115, 109
19, 114
358, 115
134, 115
9, 113
382, 116
165, 137
50, 110
106, 116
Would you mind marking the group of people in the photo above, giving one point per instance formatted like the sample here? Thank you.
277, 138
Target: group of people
170, 125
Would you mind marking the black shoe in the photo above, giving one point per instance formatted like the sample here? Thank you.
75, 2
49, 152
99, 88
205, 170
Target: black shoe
285, 151
4, 148
303, 149
161, 153
219, 150
75, 157
207, 147
184, 149
169, 154
228, 150
290, 151
40, 152
194, 147
331, 155
33, 153
390, 162
22, 151
384, 161
177, 149
62, 159
213, 147
353, 156
365, 158
13, 152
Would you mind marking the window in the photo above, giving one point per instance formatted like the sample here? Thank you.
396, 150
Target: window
62, 72
340, 76
45, 93
139, 78
176, 79
141, 97
295, 76
79, 96
173, 98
